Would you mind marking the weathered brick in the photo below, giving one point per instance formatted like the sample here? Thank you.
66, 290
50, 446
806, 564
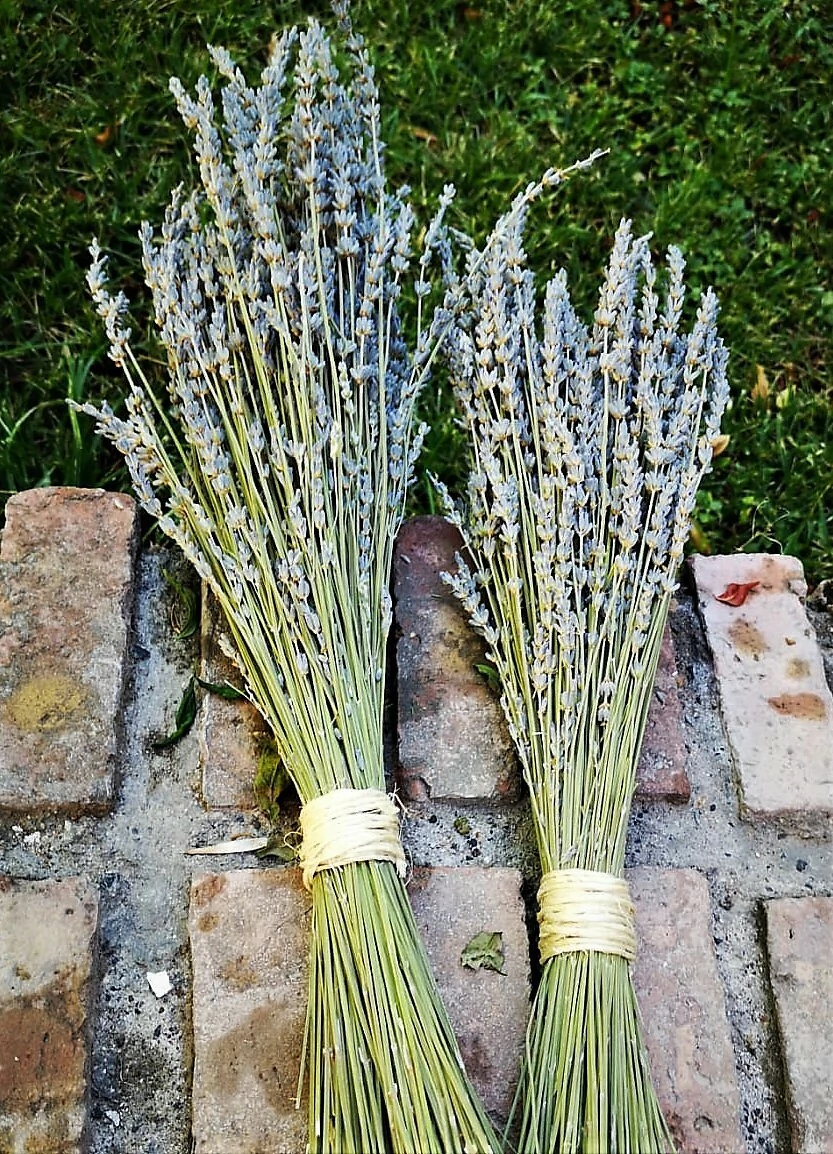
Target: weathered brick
777, 708
800, 945
681, 998
47, 945
249, 946
66, 592
453, 741
249, 942
230, 732
662, 771
488, 1010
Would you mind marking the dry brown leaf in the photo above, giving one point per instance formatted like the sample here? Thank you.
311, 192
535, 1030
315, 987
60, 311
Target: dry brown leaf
760, 391
736, 593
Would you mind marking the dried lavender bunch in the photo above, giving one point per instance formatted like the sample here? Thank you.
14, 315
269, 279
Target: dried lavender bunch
587, 448
279, 462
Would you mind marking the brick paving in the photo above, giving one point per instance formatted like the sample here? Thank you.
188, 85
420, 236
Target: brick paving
681, 999
47, 951
770, 669
66, 578
729, 1079
800, 945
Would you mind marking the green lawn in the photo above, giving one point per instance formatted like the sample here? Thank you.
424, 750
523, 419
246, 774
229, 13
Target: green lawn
718, 120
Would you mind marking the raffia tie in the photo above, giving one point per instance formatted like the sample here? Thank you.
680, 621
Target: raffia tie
349, 825
581, 910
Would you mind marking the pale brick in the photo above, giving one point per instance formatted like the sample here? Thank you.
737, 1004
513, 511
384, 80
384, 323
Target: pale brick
231, 733
47, 945
249, 942
453, 741
800, 944
249, 945
488, 1010
777, 708
66, 593
681, 999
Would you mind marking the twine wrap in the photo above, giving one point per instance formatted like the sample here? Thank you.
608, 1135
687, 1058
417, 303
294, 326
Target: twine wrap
349, 825
581, 910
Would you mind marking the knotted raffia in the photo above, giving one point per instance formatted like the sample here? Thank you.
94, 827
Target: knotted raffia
582, 910
349, 825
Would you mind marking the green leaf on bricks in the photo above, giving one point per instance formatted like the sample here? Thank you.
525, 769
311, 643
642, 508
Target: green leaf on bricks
222, 689
186, 617
484, 952
185, 716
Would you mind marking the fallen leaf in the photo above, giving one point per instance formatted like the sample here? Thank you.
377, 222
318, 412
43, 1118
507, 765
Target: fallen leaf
489, 674
106, 135
736, 593
186, 715
784, 397
236, 845
75, 194
720, 444
222, 689
760, 390
484, 951
424, 134
185, 615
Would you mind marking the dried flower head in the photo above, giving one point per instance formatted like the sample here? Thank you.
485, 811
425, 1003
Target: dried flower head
587, 447
279, 462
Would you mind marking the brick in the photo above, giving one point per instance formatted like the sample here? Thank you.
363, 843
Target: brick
248, 932
681, 999
231, 733
249, 943
488, 1010
800, 945
776, 705
662, 771
66, 594
47, 946
453, 741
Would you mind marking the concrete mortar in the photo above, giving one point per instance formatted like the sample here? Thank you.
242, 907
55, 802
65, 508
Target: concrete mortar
141, 1053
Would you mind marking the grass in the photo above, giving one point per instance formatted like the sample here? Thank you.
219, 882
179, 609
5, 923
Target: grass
719, 124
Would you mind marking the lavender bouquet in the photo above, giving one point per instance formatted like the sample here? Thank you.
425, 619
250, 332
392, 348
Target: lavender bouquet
279, 462
587, 447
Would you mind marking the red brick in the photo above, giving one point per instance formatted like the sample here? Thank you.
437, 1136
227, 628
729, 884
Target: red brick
800, 945
249, 945
230, 732
681, 999
66, 593
453, 741
777, 708
249, 942
47, 944
662, 771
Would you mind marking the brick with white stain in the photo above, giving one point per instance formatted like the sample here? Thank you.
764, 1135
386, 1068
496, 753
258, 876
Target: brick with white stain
776, 705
